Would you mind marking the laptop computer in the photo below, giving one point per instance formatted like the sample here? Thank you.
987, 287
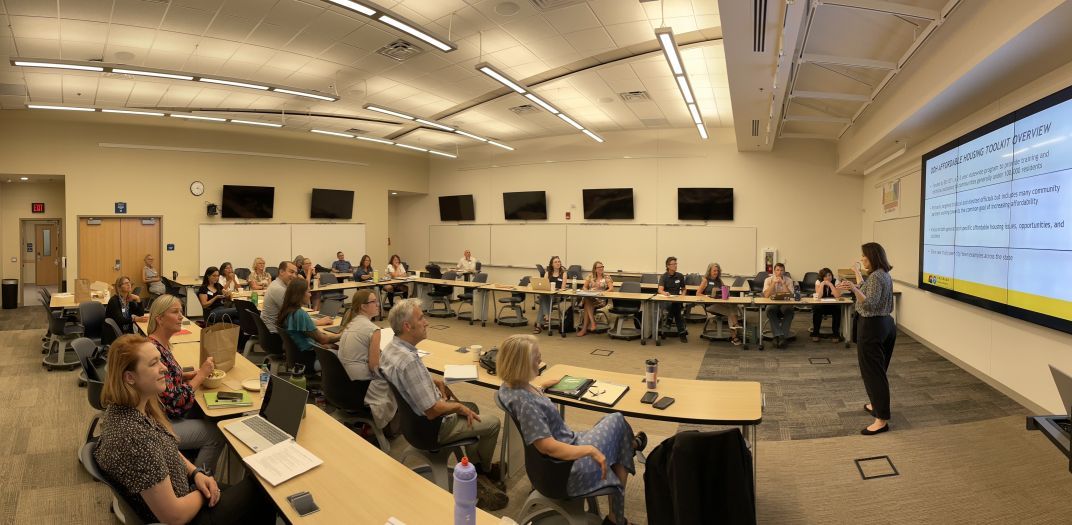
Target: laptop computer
328, 309
279, 418
1064, 387
540, 283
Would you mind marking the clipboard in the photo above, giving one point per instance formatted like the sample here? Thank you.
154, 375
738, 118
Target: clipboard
604, 393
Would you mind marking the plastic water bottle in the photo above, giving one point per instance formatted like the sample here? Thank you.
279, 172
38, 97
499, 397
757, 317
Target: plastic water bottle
265, 374
253, 297
464, 493
796, 293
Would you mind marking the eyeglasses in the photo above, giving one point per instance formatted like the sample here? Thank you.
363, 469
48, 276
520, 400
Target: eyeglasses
599, 267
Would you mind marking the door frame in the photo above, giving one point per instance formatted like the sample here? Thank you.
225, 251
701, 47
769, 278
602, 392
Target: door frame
78, 221
57, 244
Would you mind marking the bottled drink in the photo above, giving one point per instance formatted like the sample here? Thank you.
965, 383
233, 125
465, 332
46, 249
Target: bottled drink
464, 493
651, 373
265, 374
253, 297
796, 293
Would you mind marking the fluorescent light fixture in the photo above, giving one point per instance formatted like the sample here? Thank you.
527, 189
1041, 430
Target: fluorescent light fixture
374, 139
254, 123
695, 114
151, 74
500, 78
670, 50
332, 133
24, 178
389, 112
503, 146
197, 117
58, 65
470, 135
442, 154
394, 193
406, 28
132, 112
304, 94
435, 124
686, 91
702, 130
594, 137
571, 122
542, 104
354, 6
61, 108
889, 158
407, 146
233, 83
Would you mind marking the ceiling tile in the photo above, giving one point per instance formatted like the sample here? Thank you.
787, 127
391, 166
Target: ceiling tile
617, 12
179, 96
681, 24
114, 89
668, 9
112, 52
240, 69
206, 64
235, 99
572, 18
318, 68
375, 63
492, 8
175, 42
292, 14
368, 37
31, 8
273, 75
464, 23
209, 98
530, 29
186, 20
271, 35
246, 8
253, 54
551, 48
38, 47
34, 27
147, 94
590, 41
204, 5
73, 50
704, 7
514, 56
343, 53
79, 89
631, 33
216, 48
288, 60
434, 9
496, 40
231, 27
95, 10
166, 59
130, 35
40, 85
138, 13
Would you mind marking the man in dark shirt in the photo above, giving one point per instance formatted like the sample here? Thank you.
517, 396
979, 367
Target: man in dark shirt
673, 283
341, 265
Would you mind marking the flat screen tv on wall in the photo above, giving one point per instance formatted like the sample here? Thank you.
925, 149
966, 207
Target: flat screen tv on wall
705, 204
456, 208
331, 204
525, 205
608, 203
248, 202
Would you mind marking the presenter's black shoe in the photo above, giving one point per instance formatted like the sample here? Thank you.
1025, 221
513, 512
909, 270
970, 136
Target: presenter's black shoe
866, 432
869, 410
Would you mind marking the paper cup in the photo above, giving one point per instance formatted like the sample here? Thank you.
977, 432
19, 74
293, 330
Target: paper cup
476, 350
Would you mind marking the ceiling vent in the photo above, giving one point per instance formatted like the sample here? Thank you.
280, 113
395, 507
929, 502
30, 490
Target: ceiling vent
357, 131
14, 90
400, 50
634, 96
655, 122
525, 109
547, 5
755, 128
759, 25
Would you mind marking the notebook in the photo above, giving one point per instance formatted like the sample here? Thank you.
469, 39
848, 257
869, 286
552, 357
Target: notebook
459, 373
212, 401
604, 393
570, 386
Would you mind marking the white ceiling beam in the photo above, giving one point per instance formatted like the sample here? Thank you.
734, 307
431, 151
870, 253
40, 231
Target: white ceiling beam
816, 118
883, 6
826, 95
865, 63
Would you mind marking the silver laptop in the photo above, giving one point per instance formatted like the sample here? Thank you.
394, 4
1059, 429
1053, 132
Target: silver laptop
281, 414
1064, 387
328, 309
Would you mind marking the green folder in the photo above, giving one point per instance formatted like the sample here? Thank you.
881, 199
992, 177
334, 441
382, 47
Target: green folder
212, 401
570, 386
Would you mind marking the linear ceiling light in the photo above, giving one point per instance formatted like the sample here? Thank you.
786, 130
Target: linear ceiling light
470, 135
381, 141
132, 112
665, 35
333, 133
198, 117
255, 123
388, 112
384, 16
374, 139
121, 69
435, 124
442, 154
426, 122
61, 108
407, 146
503, 146
501, 78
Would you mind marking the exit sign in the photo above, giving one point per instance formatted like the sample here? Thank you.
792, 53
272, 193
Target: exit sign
37, 207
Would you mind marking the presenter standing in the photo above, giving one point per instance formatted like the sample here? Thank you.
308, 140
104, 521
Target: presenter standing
876, 333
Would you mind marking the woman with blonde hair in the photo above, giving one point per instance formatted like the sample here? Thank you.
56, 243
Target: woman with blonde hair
139, 451
259, 278
124, 307
711, 285
597, 281
359, 353
609, 445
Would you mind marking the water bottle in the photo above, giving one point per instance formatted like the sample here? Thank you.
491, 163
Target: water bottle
464, 493
253, 297
266, 372
375, 276
651, 373
574, 286
796, 293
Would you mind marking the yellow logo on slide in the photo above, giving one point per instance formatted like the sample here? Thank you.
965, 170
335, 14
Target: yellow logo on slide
938, 280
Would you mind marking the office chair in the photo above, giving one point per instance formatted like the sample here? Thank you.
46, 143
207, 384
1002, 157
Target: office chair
110, 332
649, 278
271, 343
91, 316
93, 370
441, 294
120, 506
422, 434
60, 335
625, 309
513, 302
243, 273
466, 298
247, 338
693, 279
273, 271
329, 278
346, 395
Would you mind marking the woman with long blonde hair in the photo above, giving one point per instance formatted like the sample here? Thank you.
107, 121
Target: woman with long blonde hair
259, 278
138, 449
597, 281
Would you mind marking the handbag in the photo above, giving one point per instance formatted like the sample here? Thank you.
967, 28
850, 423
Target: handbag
220, 342
487, 361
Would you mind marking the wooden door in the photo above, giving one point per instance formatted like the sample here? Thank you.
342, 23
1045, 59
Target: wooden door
99, 245
141, 237
47, 254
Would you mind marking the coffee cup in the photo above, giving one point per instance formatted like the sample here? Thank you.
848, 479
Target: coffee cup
476, 350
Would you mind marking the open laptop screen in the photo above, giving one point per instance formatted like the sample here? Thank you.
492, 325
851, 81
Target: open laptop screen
284, 405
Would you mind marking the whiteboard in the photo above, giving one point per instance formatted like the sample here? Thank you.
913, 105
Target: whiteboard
321, 242
448, 242
239, 244
900, 238
628, 247
732, 247
526, 245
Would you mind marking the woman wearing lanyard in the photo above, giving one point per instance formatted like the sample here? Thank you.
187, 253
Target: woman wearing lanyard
876, 333
124, 307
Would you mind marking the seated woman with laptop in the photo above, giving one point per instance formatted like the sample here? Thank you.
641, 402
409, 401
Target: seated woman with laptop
602, 457
299, 326
138, 450
597, 281
556, 276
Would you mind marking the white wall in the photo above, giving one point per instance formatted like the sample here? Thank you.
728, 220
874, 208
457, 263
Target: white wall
1011, 354
774, 192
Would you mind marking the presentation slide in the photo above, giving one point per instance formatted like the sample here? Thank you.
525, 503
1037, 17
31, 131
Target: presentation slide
994, 218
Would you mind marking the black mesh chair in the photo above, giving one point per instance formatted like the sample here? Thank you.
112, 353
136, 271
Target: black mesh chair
329, 278
110, 332
422, 434
543, 272
271, 343
94, 371
273, 271
175, 289
120, 506
91, 316
466, 298
513, 303
242, 273
441, 295
346, 396
60, 335
691, 316
625, 309
247, 313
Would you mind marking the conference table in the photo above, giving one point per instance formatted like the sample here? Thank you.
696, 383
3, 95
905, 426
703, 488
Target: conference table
844, 302
66, 300
421, 286
490, 289
658, 301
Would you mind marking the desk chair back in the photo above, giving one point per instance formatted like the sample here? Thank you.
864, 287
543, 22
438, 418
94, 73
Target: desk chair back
110, 333
648, 278
693, 279
441, 290
575, 272
548, 475
807, 284
756, 283
479, 265
340, 391
525, 281
289, 349
242, 273
539, 268
434, 271
273, 271
91, 315
420, 432
272, 344
85, 456
467, 295
626, 306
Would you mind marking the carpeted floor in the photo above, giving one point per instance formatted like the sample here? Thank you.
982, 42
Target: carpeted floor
960, 447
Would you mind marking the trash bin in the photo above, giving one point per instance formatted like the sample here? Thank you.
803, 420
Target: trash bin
10, 291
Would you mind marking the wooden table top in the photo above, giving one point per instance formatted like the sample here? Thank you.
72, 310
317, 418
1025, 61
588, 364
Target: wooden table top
803, 300
348, 285
67, 300
518, 289
699, 299
194, 335
442, 354
696, 401
448, 282
189, 354
642, 296
357, 483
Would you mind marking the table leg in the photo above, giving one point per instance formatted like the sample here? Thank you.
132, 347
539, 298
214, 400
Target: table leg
744, 328
755, 459
483, 306
658, 315
561, 319
762, 314
644, 306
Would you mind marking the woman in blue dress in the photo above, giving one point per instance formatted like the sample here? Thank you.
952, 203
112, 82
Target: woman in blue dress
610, 445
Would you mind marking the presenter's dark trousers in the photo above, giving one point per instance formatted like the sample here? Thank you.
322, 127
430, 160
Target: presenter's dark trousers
874, 347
